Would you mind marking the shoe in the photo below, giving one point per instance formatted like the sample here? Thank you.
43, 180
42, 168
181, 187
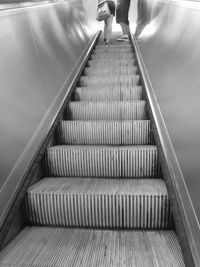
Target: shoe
107, 43
123, 38
104, 40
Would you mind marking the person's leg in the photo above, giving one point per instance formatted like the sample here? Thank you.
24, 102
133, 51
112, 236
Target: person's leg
109, 28
105, 29
122, 17
125, 28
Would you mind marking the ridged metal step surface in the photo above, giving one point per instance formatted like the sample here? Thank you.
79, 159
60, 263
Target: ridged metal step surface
115, 63
114, 45
105, 133
110, 70
112, 56
110, 110
45, 247
99, 203
124, 80
108, 94
112, 51
103, 161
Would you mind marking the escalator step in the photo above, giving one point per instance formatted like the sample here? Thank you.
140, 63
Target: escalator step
103, 161
105, 133
45, 246
107, 63
114, 110
113, 80
112, 56
118, 45
101, 203
113, 51
108, 94
110, 70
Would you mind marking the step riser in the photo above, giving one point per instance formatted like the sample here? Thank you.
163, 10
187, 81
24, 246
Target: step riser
140, 212
120, 56
110, 71
114, 52
105, 133
114, 80
114, 63
87, 94
106, 111
99, 162
113, 46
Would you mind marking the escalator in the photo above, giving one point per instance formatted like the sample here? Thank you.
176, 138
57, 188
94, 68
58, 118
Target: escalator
103, 201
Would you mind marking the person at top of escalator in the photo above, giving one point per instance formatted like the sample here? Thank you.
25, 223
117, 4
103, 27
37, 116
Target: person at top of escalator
108, 22
122, 11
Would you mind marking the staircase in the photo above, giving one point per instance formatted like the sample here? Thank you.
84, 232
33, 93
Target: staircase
103, 201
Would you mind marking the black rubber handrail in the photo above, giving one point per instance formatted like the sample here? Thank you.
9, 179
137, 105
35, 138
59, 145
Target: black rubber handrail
17, 177
186, 207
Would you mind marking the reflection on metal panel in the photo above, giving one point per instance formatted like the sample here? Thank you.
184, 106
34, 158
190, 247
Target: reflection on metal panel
171, 54
39, 47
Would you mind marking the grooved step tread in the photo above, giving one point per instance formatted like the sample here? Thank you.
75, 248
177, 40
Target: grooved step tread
115, 51
105, 63
110, 70
112, 56
118, 45
45, 247
93, 186
125, 80
111, 88
89, 94
106, 110
103, 161
105, 132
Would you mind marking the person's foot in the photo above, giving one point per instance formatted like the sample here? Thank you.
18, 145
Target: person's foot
123, 38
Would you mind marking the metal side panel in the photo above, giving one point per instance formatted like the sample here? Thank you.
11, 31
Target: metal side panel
170, 50
42, 49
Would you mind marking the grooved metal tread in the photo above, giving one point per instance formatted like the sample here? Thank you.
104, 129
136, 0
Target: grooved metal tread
89, 94
112, 56
125, 80
113, 47
47, 247
114, 52
107, 110
102, 203
113, 61
105, 63
94, 186
113, 88
105, 132
103, 161
110, 70
118, 45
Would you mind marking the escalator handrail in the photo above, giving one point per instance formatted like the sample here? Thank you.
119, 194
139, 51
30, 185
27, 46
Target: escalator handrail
187, 210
